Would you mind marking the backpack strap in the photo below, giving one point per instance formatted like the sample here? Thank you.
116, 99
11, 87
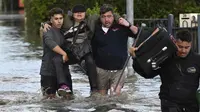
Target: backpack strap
78, 29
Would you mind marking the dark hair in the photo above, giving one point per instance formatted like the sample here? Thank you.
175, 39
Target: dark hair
106, 8
184, 35
78, 8
54, 11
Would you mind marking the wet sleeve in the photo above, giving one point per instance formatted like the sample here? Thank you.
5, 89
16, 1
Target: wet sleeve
48, 39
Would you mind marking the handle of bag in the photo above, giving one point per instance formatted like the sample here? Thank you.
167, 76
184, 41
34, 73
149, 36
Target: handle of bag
154, 32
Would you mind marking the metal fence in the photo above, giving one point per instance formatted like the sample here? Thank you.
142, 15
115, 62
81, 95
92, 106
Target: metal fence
169, 24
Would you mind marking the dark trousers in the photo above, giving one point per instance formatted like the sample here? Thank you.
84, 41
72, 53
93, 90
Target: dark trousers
62, 72
91, 71
64, 76
168, 106
90, 67
48, 84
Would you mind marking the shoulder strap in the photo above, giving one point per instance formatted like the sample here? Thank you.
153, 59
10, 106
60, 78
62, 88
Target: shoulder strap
78, 29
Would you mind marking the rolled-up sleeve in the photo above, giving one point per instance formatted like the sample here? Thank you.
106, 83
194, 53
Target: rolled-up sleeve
48, 39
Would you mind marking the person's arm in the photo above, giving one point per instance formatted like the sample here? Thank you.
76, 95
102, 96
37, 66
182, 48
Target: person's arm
132, 51
67, 22
47, 37
92, 21
60, 51
124, 22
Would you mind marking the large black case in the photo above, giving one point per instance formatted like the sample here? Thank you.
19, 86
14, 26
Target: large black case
155, 49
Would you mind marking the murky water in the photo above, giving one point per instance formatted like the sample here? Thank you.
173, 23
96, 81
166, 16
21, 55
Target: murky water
20, 81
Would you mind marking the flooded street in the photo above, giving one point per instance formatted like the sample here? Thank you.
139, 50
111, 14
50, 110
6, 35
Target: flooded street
20, 81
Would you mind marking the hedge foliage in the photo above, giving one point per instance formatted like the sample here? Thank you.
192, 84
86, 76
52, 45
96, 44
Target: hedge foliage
37, 10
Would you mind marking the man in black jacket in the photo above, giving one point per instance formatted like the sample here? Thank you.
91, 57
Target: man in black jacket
109, 46
179, 76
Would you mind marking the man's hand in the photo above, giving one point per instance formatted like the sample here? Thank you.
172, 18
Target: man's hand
60, 51
132, 51
123, 22
126, 23
65, 58
46, 27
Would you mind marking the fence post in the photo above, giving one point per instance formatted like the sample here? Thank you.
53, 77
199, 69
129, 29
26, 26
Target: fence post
130, 17
198, 40
170, 23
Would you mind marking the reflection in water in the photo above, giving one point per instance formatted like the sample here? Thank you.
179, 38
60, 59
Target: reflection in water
20, 81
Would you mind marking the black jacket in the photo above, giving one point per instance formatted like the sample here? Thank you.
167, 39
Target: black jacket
179, 78
110, 49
